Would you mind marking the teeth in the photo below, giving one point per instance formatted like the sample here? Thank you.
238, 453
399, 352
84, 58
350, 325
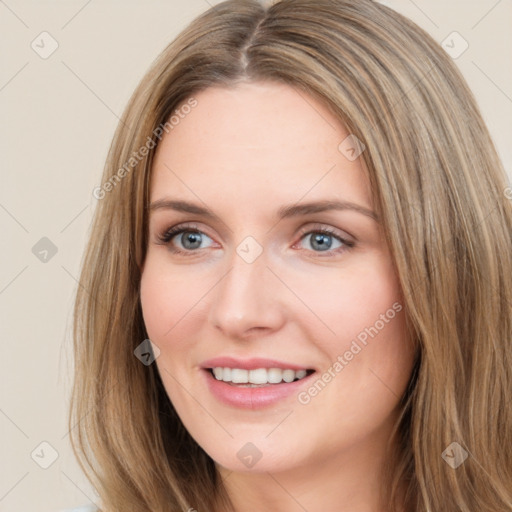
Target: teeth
258, 376
274, 375
239, 376
288, 375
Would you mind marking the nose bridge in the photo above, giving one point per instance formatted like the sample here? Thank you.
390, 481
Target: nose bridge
245, 298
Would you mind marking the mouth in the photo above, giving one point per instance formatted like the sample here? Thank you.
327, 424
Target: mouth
258, 377
254, 383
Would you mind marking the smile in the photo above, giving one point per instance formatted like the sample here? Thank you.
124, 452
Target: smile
258, 376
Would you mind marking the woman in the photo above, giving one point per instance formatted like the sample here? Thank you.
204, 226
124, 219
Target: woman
296, 290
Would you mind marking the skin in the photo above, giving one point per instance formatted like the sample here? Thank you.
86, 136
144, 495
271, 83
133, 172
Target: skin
243, 152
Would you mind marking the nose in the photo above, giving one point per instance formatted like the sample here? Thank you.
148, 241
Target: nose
246, 301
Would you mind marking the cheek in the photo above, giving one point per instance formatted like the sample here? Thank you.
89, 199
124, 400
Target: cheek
347, 302
167, 298
169, 303
363, 317
156, 303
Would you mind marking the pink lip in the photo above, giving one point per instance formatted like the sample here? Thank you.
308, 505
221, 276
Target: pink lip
253, 398
250, 364
247, 397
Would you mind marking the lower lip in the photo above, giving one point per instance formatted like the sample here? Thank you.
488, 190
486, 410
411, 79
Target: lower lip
253, 398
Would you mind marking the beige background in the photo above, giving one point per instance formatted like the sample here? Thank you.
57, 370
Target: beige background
59, 115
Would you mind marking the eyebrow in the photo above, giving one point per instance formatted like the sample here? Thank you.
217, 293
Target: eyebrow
283, 212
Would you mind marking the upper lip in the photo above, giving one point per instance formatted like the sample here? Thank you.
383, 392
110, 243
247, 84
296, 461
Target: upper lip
251, 364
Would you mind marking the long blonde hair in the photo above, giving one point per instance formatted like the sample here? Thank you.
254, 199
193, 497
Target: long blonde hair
439, 188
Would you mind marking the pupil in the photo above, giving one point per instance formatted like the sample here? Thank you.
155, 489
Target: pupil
192, 238
320, 239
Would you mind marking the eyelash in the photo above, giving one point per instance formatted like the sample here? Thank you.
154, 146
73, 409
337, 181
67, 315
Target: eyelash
170, 233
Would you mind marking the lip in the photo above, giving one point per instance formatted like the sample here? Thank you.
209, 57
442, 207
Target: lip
251, 364
248, 397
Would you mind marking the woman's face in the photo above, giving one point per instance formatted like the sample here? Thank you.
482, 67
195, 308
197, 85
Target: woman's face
281, 265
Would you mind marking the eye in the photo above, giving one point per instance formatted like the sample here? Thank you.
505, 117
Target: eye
323, 239
191, 238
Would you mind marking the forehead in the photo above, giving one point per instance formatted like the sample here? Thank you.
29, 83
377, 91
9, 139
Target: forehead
254, 139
